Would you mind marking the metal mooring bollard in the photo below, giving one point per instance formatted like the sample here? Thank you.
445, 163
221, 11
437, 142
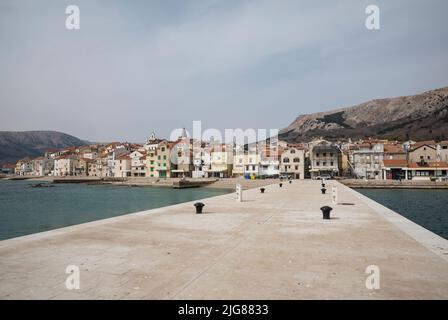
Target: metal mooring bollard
262, 190
326, 212
280, 184
323, 190
199, 206
290, 181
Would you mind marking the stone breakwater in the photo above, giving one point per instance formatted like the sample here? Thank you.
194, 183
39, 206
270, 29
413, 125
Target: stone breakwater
272, 245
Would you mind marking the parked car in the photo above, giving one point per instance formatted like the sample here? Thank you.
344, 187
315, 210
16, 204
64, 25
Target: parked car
326, 176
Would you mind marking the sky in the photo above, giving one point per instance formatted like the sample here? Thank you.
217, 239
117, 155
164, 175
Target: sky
138, 66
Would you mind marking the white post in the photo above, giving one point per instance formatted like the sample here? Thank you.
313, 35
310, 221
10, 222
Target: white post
334, 195
239, 193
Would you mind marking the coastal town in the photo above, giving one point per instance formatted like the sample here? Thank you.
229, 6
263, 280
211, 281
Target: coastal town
368, 159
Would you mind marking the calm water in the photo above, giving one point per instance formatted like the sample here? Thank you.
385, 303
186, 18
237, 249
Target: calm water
428, 208
25, 210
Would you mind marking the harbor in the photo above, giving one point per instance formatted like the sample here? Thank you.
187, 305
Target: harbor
271, 245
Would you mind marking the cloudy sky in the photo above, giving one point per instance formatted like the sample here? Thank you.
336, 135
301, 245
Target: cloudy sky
137, 66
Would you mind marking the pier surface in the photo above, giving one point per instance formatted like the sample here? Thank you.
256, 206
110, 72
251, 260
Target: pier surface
270, 246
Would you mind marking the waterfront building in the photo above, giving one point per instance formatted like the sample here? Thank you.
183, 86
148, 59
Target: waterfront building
423, 170
42, 166
122, 166
394, 151
181, 157
82, 167
201, 160
65, 165
325, 158
163, 162
151, 166
426, 170
293, 162
425, 150
221, 161
367, 159
24, 166
7, 168
138, 167
238, 164
252, 164
94, 168
442, 151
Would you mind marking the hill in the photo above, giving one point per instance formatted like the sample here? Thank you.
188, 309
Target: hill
15, 145
418, 117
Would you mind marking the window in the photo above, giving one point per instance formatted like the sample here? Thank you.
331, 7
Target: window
164, 164
331, 154
317, 163
152, 169
331, 163
296, 160
152, 161
293, 151
253, 168
429, 157
297, 167
317, 154
324, 163
164, 157
163, 149
325, 154
158, 157
286, 160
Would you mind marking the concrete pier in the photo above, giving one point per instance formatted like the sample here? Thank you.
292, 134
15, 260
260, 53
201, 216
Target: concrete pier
270, 246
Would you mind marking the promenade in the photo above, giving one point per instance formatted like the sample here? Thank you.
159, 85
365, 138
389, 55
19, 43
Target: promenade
270, 246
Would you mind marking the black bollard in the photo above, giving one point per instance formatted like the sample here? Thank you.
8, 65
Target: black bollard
326, 212
262, 190
199, 206
323, 190
280, 184
290, 181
